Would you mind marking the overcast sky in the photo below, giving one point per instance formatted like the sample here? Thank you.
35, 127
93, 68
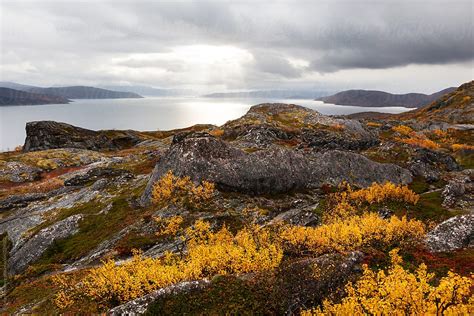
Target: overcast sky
397, 46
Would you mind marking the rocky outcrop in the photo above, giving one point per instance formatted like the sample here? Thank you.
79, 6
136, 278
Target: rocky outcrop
17, 172
276, 170
308, 281
429, 164
140, 305
43, 135
34, 247
23, 200
459, 192
93, 174
300, 217
274, 123
452, 234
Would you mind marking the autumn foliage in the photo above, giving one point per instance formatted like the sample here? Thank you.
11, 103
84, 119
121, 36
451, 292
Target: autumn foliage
354, 232
181, 190
208, 253
402, 129
348, 201
410, 137
420, 142
400, 292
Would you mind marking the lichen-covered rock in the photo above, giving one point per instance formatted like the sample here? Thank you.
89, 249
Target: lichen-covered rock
270, 123
14, 171
301, 217
140, 305
459, 192
429, 164
452, 234
36, 245
43, 135
271, 171
308, 281
94, 174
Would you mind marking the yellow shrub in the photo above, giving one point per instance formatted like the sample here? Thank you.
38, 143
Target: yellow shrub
250, 250
400, 292
388, 191
352, 233
348, 202
402, 129
170, 226
181, 190
222, 253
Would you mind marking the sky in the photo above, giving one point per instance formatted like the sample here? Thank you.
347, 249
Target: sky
215, 46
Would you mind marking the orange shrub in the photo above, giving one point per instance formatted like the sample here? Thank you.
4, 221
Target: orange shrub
373, 124
440, 133
457, 147
337, 127
402, 129
420, 142
217, 132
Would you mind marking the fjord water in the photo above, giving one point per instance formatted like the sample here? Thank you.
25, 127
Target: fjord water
145, 114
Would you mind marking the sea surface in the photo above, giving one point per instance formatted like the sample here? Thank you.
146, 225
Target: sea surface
152, 113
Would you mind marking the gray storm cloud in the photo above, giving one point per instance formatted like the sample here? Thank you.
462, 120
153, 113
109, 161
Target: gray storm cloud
101, 41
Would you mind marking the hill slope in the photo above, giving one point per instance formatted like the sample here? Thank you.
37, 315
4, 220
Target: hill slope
17, 97
456, 107
372, 98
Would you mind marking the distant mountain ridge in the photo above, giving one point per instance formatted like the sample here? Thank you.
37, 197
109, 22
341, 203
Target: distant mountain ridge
152, 92
373, 98
289, 94
83, 92
16, 97
72, 92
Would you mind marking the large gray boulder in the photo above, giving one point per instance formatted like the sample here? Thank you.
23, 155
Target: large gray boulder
452, 234
35, 246
271, 171
271, 123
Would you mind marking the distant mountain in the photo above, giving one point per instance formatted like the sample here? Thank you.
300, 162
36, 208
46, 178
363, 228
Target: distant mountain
16, 97
372, 98
152, 92
82, 92
16, 86
456, 107
73, 92
281, 94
